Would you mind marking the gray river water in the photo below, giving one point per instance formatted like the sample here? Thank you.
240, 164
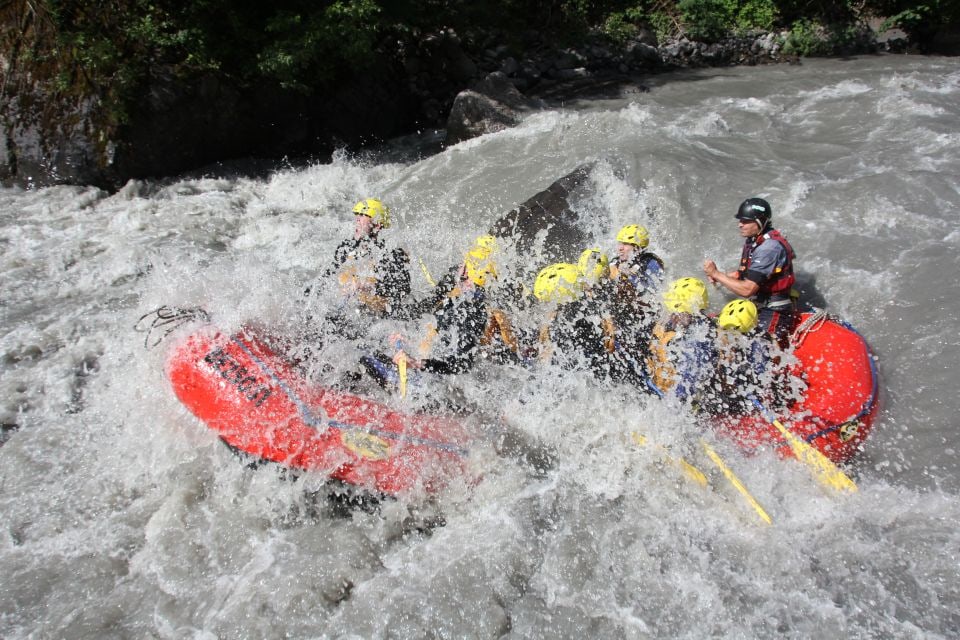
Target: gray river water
122, 516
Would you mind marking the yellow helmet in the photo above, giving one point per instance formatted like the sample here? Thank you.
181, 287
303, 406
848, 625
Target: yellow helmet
479, 260
687, 295
593, 266
559, 282
373, 208
634, 234
738, 314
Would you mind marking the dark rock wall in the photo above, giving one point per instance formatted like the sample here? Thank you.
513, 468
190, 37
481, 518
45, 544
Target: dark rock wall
178, 125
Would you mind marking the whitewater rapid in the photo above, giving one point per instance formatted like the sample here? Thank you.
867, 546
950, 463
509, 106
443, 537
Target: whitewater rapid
122, 516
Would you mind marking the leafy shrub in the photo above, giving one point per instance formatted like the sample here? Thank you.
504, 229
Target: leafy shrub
757, 15
664, 24
806, 38
707, 20
620, 26
309, 47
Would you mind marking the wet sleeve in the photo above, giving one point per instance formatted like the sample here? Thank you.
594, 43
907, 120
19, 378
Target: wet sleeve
758, 357
695, 368
654, 273
436, 296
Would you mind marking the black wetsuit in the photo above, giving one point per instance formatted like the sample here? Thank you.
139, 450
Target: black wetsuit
577, 332
390, 271
633, 300
460, 322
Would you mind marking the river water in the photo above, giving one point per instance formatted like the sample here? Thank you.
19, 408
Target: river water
124, 517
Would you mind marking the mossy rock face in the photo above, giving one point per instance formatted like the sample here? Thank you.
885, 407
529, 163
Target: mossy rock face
178, 124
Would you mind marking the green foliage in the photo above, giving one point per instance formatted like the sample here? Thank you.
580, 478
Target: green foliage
917, 18
908, 20
707, 20
806, 38
756, 15
711, 20
620, 26
110, 48
664, 24
309, 48
822, 11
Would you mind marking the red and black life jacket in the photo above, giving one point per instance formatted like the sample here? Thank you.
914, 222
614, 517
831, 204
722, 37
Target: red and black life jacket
782, 278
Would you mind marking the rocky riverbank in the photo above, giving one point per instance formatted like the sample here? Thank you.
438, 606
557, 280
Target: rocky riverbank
466, 88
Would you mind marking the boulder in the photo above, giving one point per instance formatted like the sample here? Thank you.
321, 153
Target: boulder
641, 54
547, 223
490, 105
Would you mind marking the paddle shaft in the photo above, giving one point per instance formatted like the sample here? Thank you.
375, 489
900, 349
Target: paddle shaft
823, 469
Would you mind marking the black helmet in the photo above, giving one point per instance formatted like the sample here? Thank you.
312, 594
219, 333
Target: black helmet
755, 209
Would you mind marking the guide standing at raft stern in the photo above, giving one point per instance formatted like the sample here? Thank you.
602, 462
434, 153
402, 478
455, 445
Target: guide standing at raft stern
766, 270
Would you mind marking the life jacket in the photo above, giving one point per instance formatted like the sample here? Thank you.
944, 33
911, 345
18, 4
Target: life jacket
546, 343
498, 324
366, 270
608, 336
640, 266
356, 272
662, 372
782, 278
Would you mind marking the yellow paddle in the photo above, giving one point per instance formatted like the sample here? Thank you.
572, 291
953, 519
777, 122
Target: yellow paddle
735, 481
688, 469
823, 469
717, 460
402, 366
401, 360
426, 273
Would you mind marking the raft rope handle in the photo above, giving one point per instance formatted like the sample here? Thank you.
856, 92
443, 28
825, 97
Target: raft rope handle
317, 422
169, 319
811, 324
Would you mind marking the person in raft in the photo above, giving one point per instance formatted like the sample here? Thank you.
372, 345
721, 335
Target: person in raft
743, 356
575, 331
454, 339
637, 275
367, 271
634, 265
765, 274
682, 348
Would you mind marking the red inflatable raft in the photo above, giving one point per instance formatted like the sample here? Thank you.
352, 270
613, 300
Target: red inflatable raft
840, 403
258, 404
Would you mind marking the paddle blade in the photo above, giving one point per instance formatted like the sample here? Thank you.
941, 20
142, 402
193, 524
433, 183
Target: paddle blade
735, 481
426, 273
824, 470
827, 473
402, 366
688, 469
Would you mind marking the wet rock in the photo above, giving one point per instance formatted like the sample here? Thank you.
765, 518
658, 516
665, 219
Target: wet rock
640, 53
180, 124
509, 67
569, 74
490, 105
